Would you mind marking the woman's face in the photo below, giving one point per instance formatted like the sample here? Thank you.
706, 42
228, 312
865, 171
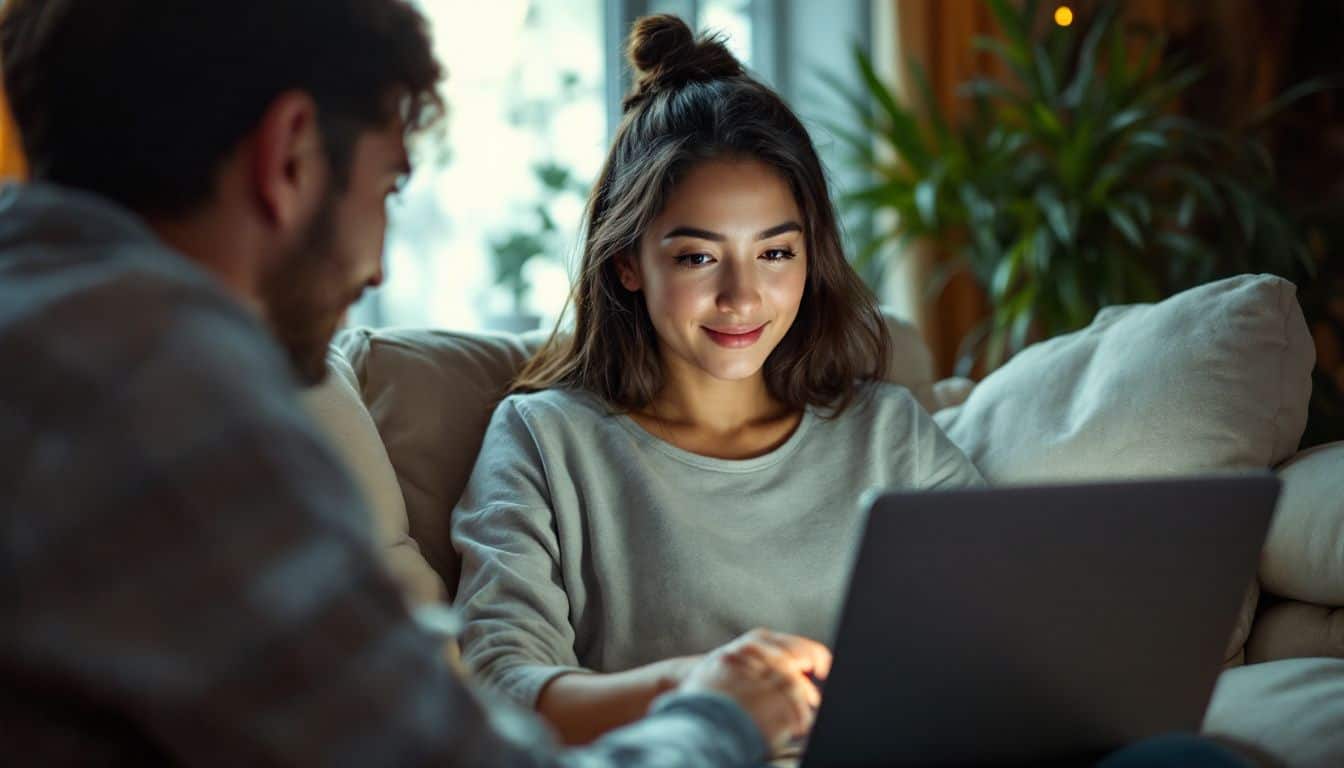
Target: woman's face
722, 268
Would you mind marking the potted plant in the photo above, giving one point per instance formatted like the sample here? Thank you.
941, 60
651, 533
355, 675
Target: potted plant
1073, 183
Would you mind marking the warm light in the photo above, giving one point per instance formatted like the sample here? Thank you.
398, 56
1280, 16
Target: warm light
1063, 15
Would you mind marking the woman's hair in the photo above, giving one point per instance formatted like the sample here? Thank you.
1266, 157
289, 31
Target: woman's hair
691, 102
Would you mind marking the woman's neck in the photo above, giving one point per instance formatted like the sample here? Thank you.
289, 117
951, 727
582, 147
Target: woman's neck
692, 398
716, 418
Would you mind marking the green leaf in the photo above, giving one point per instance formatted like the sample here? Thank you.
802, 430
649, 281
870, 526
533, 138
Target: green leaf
1243, 205
1006, 274
1047, 120
1011, 22
1125, 223
929, 102
1292, 96
1045, 74
1149, 139
1014, 58
926, 201
902, 127
1185, 214
1055, 215
1087, 56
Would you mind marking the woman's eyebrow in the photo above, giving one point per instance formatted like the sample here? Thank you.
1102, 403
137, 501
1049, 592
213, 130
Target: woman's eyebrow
704, 234
699, 234
779, 229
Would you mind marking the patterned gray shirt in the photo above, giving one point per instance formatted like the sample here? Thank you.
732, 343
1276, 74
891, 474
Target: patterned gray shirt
186, 574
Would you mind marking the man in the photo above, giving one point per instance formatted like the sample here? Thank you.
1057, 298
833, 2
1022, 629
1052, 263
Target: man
187, 576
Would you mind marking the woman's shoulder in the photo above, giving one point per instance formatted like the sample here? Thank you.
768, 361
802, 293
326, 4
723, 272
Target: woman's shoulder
557, 405
884, 400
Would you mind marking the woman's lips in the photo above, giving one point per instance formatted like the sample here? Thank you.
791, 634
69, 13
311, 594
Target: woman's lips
735, 338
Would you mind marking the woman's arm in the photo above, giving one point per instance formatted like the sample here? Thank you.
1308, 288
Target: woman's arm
582, 707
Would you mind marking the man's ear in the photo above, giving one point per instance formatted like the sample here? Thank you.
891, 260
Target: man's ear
627, 269
290, 171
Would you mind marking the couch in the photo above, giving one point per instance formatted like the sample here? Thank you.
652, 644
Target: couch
1212, 379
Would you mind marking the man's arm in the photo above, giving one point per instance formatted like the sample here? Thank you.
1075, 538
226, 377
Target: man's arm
228, 602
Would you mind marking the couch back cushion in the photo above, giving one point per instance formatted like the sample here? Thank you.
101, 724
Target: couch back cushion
1304, 555
431, 394
338, 410
1216, 377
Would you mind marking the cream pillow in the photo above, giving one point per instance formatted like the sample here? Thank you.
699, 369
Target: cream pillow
1215, 377
339, 412
1304, 555
1291, 630
431, 394
1292, 709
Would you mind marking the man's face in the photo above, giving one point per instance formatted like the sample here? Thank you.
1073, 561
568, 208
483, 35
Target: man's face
339, 255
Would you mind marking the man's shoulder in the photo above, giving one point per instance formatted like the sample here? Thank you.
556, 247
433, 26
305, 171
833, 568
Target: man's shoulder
135, 329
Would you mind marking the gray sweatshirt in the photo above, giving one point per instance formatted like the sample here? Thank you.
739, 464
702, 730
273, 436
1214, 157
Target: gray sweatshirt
589, 544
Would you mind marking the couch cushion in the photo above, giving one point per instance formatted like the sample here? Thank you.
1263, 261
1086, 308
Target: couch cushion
431, 394
1291, 630
1292, 709
1304, 555
1215, 377
338, 410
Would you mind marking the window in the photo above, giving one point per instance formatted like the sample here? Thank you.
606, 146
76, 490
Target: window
486, 234
480, 236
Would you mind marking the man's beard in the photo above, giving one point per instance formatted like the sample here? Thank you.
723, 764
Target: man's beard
305, 296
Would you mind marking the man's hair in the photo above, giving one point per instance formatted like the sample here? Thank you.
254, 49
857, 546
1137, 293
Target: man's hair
693, 102
141, 100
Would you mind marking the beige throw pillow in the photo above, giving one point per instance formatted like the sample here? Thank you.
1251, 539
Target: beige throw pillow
1293, 630
1215, 377
1304, 555
1293, 709
338, 410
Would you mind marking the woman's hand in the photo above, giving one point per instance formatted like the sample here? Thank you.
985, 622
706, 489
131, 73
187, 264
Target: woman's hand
771, 676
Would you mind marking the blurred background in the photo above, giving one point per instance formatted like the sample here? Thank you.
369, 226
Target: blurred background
1003, 167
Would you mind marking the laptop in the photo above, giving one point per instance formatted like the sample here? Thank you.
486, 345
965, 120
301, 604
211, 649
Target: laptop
1031, 625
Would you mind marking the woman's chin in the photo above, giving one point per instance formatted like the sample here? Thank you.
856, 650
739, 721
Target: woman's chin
732, 370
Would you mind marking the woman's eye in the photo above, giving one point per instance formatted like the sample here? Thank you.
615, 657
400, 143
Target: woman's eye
777, 254
694, 259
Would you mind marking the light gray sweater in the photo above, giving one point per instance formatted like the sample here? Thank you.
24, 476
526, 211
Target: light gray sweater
589, 544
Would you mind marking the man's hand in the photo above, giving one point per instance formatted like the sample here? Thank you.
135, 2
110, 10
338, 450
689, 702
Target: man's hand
771, 676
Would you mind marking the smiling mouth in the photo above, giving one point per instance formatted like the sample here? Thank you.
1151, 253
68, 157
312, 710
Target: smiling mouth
735, 338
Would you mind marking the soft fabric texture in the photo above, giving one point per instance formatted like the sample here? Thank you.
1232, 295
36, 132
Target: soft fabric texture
431, 394
1292, 709
336, 406
587, 542
1304, 555
1215, 377
1290, 630
1235, 653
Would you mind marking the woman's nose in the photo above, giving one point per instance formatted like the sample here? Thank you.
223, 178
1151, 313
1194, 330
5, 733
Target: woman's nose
739, 292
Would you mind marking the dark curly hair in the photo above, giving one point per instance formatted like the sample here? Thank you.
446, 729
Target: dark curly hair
140, 100
693, 101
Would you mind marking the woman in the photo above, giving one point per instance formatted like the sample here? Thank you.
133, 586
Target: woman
688, 463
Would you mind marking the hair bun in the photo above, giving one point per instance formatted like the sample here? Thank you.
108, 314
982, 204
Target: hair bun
665, 54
